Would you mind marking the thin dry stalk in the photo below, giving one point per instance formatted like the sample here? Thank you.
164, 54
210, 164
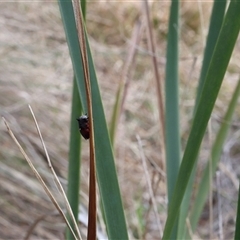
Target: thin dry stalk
150, 188
92, 218
210, 183
220, 216
130, 62
155, 188
189, 227
34, 225
157, 78
38, 176
56, 179
157, 168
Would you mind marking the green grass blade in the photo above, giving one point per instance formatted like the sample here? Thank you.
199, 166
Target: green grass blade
115, 114
69, 24
202, 193
106, 172
214, 77
74, 157
172, 105
217, 17
216, 21
74, 151
237, 225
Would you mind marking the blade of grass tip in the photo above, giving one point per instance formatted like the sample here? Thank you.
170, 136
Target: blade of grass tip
38, 176
115, 113
56, 179
203, 189
237, 224
147, 176
216, 20
67, 14
221, 56
92, 216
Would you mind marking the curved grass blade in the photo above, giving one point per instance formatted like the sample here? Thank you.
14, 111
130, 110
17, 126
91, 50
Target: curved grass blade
106, 172
218, 65
217, 17
202, 193
216, 21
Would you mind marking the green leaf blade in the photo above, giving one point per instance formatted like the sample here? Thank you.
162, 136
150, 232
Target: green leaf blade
105, 166
214, 77
203, 190
217, 17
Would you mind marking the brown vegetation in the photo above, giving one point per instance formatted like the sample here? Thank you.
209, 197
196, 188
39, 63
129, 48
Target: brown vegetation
35, 69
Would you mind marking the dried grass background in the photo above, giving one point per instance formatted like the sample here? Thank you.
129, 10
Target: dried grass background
35, 69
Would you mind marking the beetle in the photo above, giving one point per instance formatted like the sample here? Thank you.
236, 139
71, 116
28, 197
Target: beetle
83, 123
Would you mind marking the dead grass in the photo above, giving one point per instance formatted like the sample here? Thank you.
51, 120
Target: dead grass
35, 68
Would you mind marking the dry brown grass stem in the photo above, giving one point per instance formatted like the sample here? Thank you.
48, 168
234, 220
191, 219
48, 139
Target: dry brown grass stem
56, 179
92, 214
130, 62
150, 188
155, 185
34, 225
157, 78
157, 168
38, 176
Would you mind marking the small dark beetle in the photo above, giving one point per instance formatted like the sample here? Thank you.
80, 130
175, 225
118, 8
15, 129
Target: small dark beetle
83, 124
